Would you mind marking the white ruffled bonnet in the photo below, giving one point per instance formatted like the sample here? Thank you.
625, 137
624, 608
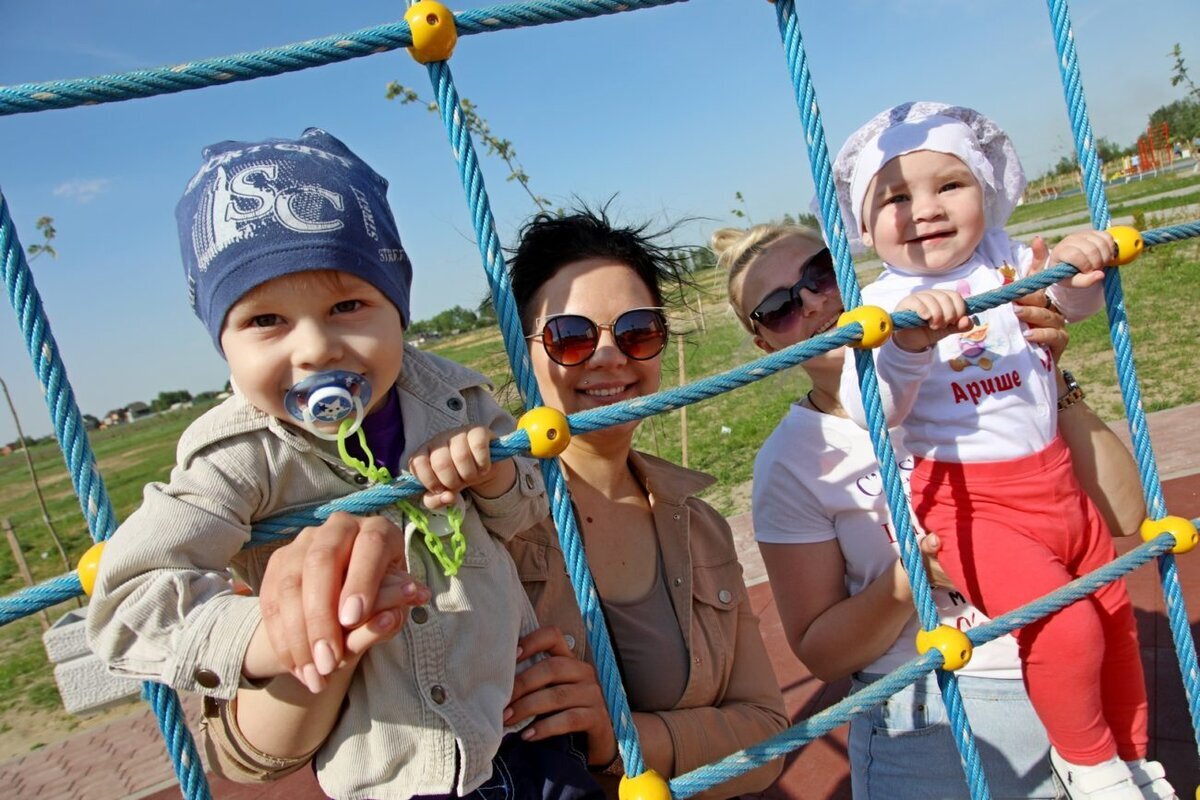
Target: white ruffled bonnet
924, 125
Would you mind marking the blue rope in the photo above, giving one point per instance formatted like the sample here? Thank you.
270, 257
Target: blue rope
588, 599
873, 694
1171, 233
29, 97
1118, 322
36, 598
910, 555
81, 464
43, 350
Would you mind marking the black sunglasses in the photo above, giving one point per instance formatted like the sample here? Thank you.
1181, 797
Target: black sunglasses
571, 339
776, 309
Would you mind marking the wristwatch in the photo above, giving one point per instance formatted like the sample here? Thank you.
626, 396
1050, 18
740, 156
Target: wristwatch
1073, 394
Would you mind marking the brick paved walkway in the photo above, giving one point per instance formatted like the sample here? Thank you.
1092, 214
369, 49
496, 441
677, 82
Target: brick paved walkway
127, 758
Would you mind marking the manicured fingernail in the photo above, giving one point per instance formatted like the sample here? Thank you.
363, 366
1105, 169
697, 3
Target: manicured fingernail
508, 712
352, 610
312, 679
323, 657
385, 622
519, 651
528, 734
409, 589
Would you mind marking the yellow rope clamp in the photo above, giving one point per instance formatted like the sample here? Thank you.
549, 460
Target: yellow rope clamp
954, 645
647, 786
433, 31
548, 429
1129, 244
876, 324
89, 566
1181, 528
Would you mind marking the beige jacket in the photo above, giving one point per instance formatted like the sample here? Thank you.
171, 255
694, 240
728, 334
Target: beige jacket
433, 696
732, 698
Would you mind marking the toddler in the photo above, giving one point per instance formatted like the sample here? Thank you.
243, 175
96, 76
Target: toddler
295, 267
929, 187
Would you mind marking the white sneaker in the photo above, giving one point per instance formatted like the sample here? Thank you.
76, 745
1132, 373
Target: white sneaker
1108, 780
1151, 780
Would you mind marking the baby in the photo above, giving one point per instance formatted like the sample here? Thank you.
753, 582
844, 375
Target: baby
929, 187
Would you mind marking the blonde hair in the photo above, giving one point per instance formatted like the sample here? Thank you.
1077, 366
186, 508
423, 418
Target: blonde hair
737, 248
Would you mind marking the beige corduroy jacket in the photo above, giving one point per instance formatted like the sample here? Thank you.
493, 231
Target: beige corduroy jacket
433, 696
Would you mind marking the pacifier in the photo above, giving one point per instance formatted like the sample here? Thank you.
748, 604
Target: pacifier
328, 398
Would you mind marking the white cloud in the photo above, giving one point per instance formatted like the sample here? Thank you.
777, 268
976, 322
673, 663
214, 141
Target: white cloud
82, 191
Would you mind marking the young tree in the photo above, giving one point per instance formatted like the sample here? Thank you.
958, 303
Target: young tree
46, 226
1179, 73
479, 128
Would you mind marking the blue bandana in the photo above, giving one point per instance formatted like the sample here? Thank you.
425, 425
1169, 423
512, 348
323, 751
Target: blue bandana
259, 210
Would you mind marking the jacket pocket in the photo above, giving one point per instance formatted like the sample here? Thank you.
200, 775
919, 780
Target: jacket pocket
717, 591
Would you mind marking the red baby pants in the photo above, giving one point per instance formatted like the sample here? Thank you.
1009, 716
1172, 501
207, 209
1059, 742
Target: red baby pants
1012, 531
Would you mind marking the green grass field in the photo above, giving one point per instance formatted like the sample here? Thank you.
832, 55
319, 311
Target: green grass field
723, 433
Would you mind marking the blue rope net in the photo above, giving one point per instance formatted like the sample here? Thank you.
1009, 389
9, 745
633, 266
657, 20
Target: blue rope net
97, 509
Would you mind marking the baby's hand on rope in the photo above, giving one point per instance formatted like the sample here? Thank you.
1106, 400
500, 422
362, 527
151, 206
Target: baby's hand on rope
459, 459
333, 592
562, 693
1087, 251
944, 313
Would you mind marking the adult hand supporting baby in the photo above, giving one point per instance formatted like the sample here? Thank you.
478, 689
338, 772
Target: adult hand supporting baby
333, 592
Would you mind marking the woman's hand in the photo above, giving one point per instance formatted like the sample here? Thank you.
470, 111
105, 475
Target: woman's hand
333, 592
1046, 326
562, 693
930, 545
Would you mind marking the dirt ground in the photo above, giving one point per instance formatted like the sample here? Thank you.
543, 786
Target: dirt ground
32, 730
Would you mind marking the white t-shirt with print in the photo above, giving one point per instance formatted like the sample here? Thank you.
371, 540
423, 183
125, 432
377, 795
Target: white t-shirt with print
983, 395
816, 480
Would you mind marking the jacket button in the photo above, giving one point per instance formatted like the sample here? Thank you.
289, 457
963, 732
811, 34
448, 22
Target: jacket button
419, 615
360, 479
207, 678
676, 516
437, 694
570, 640
454, 404
725, 596
678, 581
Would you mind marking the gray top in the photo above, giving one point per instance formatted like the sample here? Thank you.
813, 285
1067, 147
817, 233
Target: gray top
650, 647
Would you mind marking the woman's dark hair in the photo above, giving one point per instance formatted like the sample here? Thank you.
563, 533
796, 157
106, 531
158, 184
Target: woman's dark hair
549, 242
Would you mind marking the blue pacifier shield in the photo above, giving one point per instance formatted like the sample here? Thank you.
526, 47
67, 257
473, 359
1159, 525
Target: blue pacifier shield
327, 396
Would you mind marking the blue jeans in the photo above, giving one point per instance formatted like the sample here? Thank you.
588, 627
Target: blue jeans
552, 769
903, 749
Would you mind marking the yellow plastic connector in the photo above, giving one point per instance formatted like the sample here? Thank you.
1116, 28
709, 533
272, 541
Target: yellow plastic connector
954, 645
434, 33
548, 429
89, 566
1181, 528
1129, 244
647, 786
876, 324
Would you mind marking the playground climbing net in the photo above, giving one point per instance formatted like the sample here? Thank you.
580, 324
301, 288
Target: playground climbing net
430, 32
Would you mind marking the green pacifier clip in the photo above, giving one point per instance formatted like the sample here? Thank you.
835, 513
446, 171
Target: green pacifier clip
454, 515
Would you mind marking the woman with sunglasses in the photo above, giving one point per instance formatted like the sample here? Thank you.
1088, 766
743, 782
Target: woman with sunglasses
822, 524
692, 660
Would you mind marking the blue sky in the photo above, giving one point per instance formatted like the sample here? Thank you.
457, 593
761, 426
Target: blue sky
673, 110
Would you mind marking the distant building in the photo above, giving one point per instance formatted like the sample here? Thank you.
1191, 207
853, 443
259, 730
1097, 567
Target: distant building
136, 410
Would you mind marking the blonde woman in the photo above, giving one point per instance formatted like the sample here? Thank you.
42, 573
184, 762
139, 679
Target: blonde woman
821, 520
